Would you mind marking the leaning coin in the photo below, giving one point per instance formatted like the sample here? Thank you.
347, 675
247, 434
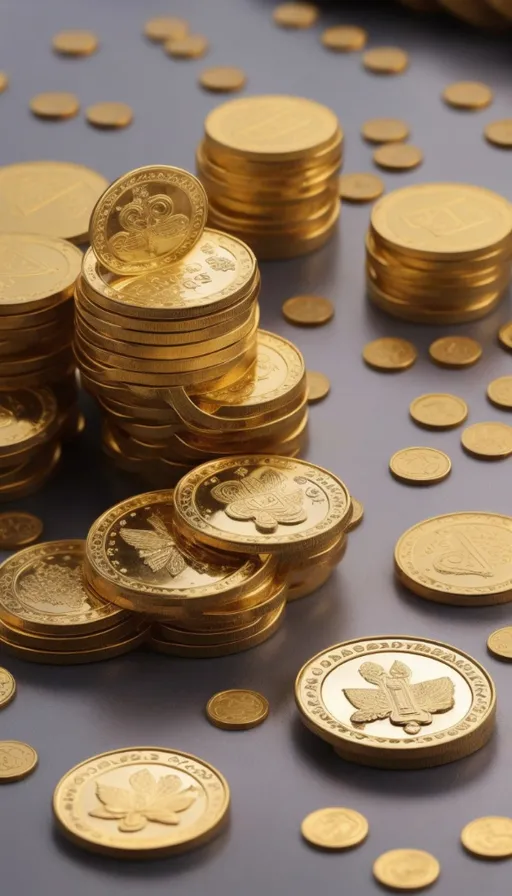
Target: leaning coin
335, 828
406, 869
237, 710
18, 529
17, 761
420, 466
488, 838
7, 688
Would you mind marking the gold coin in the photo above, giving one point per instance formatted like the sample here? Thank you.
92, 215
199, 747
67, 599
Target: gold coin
455, 351
360, 187
319, 386
461, 559
398, 156
385, 130
164, 28
390, 354
141, 802
335, 828
344, 38
438, 410
237, 710
28, 418
468, 95
295, 15
192, 46
18, 529
488, 441
357, 514
223, 79
499, 133
488, 838
7, 688
499, 392
51, 198
386, 60
75, 43
109, 115
406, 869
4, 82
147, 219
55, 105
421, 466
308, 311
17, 761
499, 643
505, 335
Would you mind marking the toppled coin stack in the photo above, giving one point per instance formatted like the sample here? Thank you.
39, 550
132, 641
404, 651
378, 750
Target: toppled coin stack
270, 166
439, 253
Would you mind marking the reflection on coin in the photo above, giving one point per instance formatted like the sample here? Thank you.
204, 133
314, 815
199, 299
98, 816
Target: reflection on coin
385, 130
237, 710
499, 392
295, 15
386, 60
17, 760
7, 688
488, 838
163, 28
500, 133
109, 115
421, 466
319, 386
505, 335
344, 38
308, 311
75, 43
18, 529
455, 351
398, 156
468, 95
499, 643
489, 441
438, 410
192, 46
360, 187
390, 354
406, 869
4, 82
335, 828
223, 79
357, 514
55, 105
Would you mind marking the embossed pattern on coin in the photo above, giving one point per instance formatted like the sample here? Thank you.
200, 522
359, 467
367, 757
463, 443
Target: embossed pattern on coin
17, 761
18, 529
499, 392
223, 79
438, 410
109, 115
344, 38
335, 828
357, 514
360, 187
406, 869
420, 466
455, 351
499, 133
488, 441
295, 15
398, 156
237, 710
386, 60
308, 311
55, 105
489, 837
75, 43
163, 28
7, 688
390, 354
385, 130
499, 643
319, 386
468, 95
505, 336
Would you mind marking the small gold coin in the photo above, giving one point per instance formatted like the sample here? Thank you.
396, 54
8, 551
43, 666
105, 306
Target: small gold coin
499, 643
55, 105
357, 514
455, 351
398, 156
164, 28
406, 869
7, 687
385, 130
223, 79
500, 133
319, 386
421, 466
4, 82
192, 46
386, 60
360, 187
335, 828
488, 441
308, 311
390, 354
438, 410
295, 15
109, 115
237, 710
488, 838
18, 529
344, 38
75, 43
468, 95
17, 761
505, 335
499, 392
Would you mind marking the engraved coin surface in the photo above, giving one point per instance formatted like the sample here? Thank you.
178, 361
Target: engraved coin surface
438, 410
459, 558
344, 38
357, 514
308, 311
406, 869
505, 335
7, 687
55, 105
27, 418
335, 828
109, 115
499, 643
488, 838
488, 441
237, 710
360, 187
385, 130
141, 802
390, 354
36, 270
468, 95
319, 386
386, 60
163, 28
398, 156
420, 466
223, 79
499, 392
500, 133
455, 351
75, 43
17, 760
18, 529
295, 15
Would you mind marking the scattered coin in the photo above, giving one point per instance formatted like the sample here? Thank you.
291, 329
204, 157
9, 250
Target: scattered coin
357, 514
421, 466
488, 838
500, 133
295, 15
75, 43
360, 187
109, 115
390, 354
308, 311
17, 760
7, 688
386, 60
319, 386
398, 156
499, 392
406, 869
223, 79
4, 82
499, 643
455, 351
18, 529
164, 28
505, 335
385, 130
468, 95
438, 410
55, 105
192, 46
335, 828
488, 441
344, 38
237, 710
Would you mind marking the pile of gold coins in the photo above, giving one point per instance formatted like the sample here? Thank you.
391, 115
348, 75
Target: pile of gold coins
439, 253
270, 167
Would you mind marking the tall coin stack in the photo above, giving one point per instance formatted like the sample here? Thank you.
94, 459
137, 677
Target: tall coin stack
439, 253
270, 166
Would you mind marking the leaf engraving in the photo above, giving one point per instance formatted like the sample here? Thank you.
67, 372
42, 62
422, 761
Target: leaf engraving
149, 799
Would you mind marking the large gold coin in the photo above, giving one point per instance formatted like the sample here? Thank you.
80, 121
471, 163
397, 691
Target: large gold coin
398, 156
17, 761
386, 60
505, 336
335, 828
36, 271
488, 441
75, 43
499, 643
438, 410
455, 351
420, 466
51, 198
55, 105
308, 311
319, 386
390, 354
360, 187
7, 688
141, 802
488, 838
148, 219
237, 710
28, 418
406, 869
468, 95
499, 133
499, 392
164, 28
461, 559
352, 695
223, 79
18, 529
295, 15
344, 38
385, 130
110, 115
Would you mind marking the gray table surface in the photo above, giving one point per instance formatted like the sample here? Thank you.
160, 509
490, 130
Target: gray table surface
279, 772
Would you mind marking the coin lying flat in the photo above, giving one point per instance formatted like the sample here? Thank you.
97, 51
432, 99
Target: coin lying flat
360, 187
335, 828
7, 688
357, 514
344, 38
192, 46
75, 43
499, 392
109, 115
319, 386
438, 410
163, 28
386, 60
18, 529
17, 761
505, 335
468, 95
141, 802
488, 441
499, 643
390, 354
385, 130
237, 710
420, 466
455, 351
488, 838
499, 133
398, 156
406, 869
55, 105
295, 15
223, 79
308, 311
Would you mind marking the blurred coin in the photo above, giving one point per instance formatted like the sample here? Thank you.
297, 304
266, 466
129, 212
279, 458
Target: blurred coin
489, 837
223, 79
386, 60
390, 354
499, 643
17, 761
455, 351
237, 710
4, 82
335, 828
499, 392
398, 156
344, 38
7, 688
438, 410
505, 335
500, 133
75, 43
360, 187
192, 46
468, 95
357, 514
385, 130
164, 28
406, 869
55, 105
488, 441
18, 529
319, 386
420, 466
308, 311
109, 115
295, 15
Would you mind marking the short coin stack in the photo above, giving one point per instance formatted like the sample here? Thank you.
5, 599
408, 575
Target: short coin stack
270, 167
439, 253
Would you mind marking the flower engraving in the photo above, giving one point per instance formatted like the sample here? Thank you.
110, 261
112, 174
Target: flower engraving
148, 800
265, 496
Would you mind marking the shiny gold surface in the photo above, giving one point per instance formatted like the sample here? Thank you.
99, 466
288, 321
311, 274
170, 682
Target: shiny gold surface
17, 761
390, 354
335, 828
237, 710
420, 466
406, 869
488, 441
489, 837
438, 410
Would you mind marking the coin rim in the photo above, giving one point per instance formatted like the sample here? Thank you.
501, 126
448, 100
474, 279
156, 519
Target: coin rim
219, 722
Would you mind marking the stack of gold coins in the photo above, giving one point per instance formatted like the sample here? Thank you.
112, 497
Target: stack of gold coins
49, 615
30, 430
439, 253
270, 167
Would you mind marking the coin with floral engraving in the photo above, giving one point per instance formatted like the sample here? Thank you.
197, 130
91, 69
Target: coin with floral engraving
237, 710
17, 760
141, 802
489, 837
7, 687
395, 701
420, 466
406, 869
335, 828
